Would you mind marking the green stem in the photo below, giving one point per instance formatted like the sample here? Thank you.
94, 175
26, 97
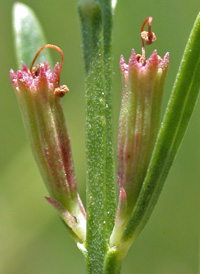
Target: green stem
112, 262
96, 17
107, 15
91, 21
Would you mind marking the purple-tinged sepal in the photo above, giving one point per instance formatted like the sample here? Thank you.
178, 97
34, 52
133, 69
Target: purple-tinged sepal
39, 95
142, 90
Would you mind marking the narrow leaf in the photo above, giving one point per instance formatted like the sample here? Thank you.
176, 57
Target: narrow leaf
114, 3
174, 125
29, 37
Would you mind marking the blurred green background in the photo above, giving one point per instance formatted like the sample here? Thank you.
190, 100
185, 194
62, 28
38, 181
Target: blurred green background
32, 239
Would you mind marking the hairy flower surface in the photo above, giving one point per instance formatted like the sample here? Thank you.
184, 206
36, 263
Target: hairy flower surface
38, 91
142, 90
142, 84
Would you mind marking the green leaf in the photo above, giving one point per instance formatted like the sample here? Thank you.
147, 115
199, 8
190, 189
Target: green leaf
29, 37
114, 4
178, 113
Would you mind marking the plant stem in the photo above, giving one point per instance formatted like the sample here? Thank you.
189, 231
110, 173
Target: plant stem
96, 17
112, 262
107, 15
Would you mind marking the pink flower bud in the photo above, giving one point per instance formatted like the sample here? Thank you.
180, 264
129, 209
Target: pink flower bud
39, 94
142, 89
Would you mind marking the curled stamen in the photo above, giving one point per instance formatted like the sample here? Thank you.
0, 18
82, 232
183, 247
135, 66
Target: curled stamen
32, 69
148, 37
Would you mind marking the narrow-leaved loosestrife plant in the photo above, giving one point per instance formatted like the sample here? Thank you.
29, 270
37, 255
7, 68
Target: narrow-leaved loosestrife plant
145, 149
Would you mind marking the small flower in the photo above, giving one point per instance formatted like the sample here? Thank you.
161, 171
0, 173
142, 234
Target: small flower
39, 95
142, 89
